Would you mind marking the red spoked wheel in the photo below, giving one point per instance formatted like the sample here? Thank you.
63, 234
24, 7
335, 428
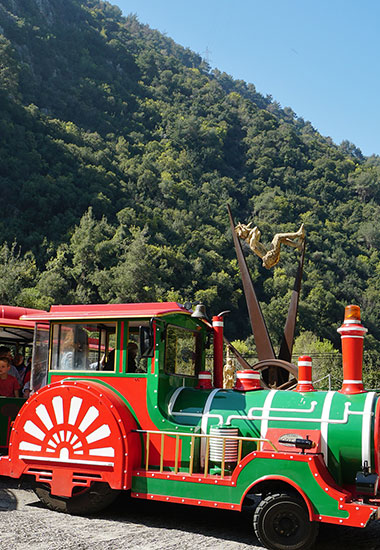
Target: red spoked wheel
73, 437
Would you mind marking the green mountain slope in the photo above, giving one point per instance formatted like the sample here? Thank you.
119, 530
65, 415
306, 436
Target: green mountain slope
119, 151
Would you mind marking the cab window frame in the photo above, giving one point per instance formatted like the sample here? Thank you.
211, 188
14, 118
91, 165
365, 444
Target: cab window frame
55, 348
141, 363
198, 339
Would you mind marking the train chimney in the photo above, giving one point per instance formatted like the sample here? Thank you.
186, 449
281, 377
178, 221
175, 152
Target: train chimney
204, 380
305, 382
247, 380
218, 325
352, 334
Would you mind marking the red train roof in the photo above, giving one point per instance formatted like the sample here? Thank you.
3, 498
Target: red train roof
101, 311
14, 330
10, 316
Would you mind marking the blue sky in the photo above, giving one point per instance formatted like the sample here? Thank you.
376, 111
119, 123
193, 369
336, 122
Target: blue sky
321, 58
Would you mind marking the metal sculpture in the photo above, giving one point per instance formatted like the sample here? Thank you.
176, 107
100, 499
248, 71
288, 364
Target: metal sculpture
270, 256
279, 371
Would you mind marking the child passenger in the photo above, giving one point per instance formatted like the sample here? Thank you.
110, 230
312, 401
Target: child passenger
9, 386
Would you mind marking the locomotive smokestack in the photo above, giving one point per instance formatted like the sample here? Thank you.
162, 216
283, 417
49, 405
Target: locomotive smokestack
204, 380
247, 380
305, 382
352, 333
217, 325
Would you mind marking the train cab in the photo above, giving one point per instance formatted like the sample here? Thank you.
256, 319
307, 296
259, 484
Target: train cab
126, 346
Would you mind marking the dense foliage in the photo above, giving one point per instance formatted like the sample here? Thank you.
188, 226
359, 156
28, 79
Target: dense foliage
119, 152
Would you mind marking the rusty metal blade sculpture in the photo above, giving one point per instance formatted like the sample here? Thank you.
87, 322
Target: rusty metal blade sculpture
263, 342
288, 336
243, 363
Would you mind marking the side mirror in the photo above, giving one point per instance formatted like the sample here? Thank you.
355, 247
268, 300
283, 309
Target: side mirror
146, 341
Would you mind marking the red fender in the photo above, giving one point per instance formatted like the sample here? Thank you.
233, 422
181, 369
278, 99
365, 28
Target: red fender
72, 433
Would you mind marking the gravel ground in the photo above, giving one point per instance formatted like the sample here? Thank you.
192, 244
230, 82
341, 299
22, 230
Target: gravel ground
130, 524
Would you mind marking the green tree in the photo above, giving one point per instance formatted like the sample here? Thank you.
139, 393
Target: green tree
9, 68
18, 275
134, 278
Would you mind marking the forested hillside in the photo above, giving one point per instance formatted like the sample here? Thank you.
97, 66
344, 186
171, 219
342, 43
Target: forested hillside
119, 150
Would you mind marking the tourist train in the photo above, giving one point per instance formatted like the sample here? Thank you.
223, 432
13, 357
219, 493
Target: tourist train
124, 399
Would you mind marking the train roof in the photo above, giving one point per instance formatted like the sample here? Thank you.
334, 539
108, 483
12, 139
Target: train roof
109, 311
12, 328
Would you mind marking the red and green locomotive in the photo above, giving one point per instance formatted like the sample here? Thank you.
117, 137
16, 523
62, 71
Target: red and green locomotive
123, 401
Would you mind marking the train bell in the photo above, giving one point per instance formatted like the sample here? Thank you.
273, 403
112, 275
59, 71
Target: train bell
200, 312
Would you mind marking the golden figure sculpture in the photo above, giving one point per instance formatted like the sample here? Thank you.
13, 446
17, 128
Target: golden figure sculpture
229, 372
270, 257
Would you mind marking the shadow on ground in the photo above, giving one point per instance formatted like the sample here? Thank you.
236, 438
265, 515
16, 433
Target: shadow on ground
222, 525
8, 499
231, 526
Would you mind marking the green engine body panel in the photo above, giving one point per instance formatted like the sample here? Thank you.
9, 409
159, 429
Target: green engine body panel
343, 420
256, 469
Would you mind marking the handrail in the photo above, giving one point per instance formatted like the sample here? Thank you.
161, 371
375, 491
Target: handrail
177, 435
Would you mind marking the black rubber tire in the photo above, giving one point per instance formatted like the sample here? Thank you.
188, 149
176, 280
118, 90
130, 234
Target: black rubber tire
89, 500
281, 522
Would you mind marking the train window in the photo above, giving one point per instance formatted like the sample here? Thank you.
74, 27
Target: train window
181, 351
83, 346
40, 357
136, 363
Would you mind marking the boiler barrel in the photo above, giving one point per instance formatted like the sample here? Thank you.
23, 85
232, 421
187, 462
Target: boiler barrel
347, 424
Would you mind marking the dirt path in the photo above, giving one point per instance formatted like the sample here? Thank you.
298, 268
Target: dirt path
134, 524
